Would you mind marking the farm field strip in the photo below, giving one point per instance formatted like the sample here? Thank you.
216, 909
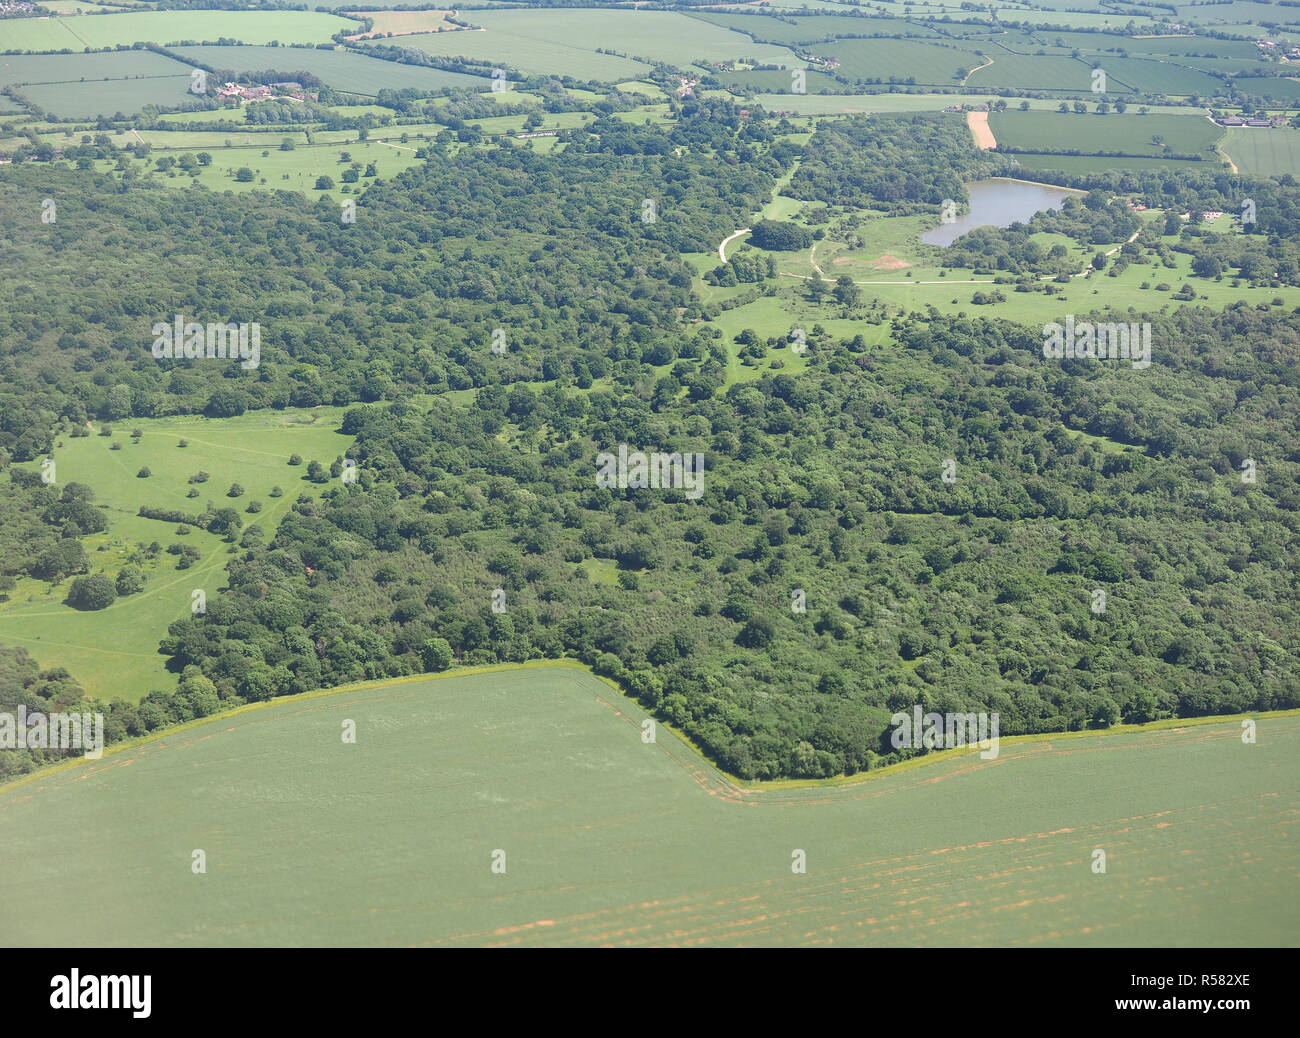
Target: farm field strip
610, 841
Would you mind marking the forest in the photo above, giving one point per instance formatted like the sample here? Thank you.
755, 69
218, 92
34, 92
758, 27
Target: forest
476, 469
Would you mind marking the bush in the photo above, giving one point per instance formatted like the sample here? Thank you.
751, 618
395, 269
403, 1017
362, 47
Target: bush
144, 472
93, 592
436, 655
129, 580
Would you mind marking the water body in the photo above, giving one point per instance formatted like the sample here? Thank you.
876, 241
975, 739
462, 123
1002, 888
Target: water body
998, 202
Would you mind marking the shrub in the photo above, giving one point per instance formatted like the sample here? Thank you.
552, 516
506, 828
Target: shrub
93, 592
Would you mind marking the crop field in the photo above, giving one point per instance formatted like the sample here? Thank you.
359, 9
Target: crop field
810, 30
564, 43
114, 652
1267, 153
1100, 164
928, 63
1149, 46
107, 97
771, 81
255, 27
345, 71
1029, 71
608, 840
1157, 77
1045, 131
838, 104
1284, 90
531, 57
404, 23
74, 68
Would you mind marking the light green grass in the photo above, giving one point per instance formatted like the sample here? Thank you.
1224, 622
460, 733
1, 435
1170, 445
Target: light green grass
113, 652
108, 98
612, 841
1091, 133
1266, 153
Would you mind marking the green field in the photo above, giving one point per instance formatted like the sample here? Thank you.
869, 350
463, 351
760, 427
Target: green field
113, 652
258, 27
346, 71
1099, 164
931, 64
76, 68
564, 43
1048, 72
107, 97
810, 30
1091, 133
1267, 153
610, 841
835, 104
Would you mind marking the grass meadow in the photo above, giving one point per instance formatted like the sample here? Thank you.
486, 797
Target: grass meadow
113, 651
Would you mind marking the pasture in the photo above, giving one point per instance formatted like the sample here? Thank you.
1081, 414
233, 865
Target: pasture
113, 652
612, 841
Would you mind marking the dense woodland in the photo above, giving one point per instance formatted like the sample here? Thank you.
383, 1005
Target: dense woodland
974, 594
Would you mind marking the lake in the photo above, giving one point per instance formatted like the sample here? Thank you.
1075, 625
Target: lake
998, 202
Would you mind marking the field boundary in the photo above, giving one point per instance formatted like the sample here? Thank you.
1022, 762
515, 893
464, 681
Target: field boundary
566, 663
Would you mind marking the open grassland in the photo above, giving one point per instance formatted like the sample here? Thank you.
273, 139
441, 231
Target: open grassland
254, 27
609, 840
1090, 133
892, 267
345, 71
1266, 153
114, 652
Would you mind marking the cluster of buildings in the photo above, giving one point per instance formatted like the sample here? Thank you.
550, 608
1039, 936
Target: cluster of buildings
1269, 49
18, 7
264, 92
1237, 120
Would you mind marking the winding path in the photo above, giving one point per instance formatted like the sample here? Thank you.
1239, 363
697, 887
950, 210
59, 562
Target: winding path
722, 245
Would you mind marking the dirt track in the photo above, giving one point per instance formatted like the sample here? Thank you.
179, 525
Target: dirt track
979, 126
